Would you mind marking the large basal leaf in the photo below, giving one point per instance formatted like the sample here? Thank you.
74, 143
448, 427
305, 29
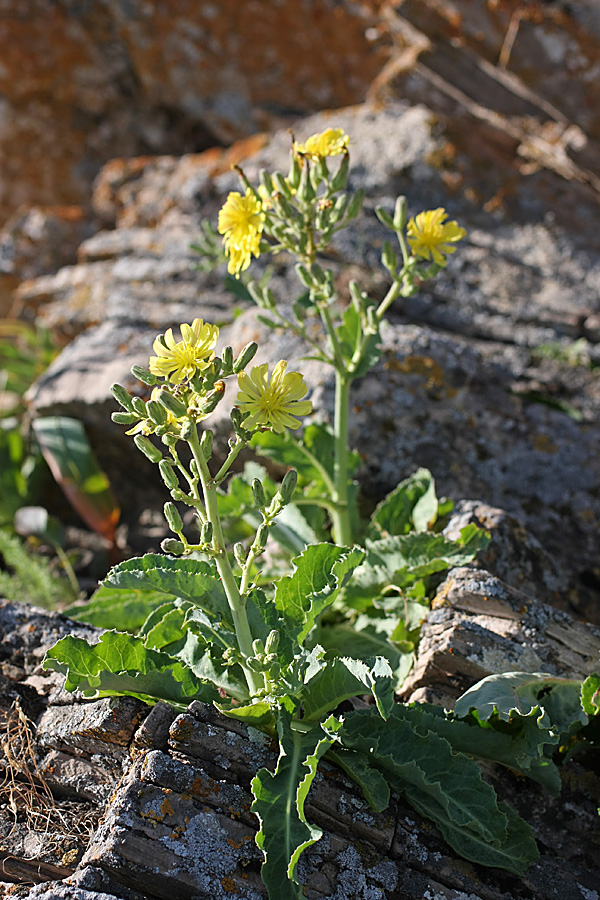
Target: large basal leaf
320, 573
165, 628
67, 451
521, 745
402, 559
122, 610
207, 664
121, 664
341, 678
557, 698
370, 780
411, 506
191, 579
365, 642
257, 714
279, 804
443, 785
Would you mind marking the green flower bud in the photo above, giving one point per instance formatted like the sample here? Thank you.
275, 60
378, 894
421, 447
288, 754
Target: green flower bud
169, 439
170, 545
168, 474
171, 403
288, 486
254, 664
239, 551
258, 648
281, 185
384, 217
213, 398
355, 205
340, 179
260, 541
305, 276
188, 429
389, 258
230, 656
178, 496
139, 406
206, 533
266, 181
258, 492
144, 376
272, 642
206, 442
306, 190
156, 412
294, 173
172, 516
123, 418
400, 213
245, 356
274, 670
227, 357
147, 448
270, 658
122, 397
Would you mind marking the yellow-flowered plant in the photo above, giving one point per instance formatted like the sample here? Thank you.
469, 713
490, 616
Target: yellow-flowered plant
285, 652
431, 237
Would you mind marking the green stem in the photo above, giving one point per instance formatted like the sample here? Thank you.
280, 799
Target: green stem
235, 450
234, 599
342, 531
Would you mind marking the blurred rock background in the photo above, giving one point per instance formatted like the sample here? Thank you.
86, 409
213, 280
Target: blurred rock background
119, 123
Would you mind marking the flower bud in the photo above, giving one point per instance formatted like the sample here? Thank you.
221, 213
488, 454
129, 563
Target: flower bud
206, 442
124, 418
156, 412
355, 205
340, 179
122, 397
258, 648
274, 670
389, 258
281, 185
239, 551
147, 448
177, 495
272, 642
188, 429
144, 375
227, 357
171, 403
139, 406
254, 664
294, 173
169, 439
258, 492
245, 356
266, 181
288, 486
400, 213
170, 545
206, 533
306, 191
172, 516
168, 474
305, 276
260, 541
384, 217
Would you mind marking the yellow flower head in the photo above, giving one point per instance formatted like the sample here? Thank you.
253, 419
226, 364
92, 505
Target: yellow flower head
332, 142
272, 403
241, 223
431, 238
177, 360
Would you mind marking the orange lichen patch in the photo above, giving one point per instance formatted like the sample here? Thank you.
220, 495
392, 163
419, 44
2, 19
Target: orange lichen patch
228, 885
425, 366
166, 808
238, 844
205, 787
544, 444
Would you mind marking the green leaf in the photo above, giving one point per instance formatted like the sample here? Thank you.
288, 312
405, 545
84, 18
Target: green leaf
208, 666
167, 631
370, 780
122, 610
368, 637
445, 786
350, 334
341, 678
120, 664
257, 714
590, 695
191, 579
279, 803
412, 505
320, 573
557, 698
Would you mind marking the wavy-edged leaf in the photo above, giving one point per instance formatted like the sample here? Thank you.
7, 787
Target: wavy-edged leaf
412, 505
258, 714
190, 579
165, 628
445, 786
370, 780
364, 640
341, 678
208, 665
279, 803
124, 609
558, 699
120, 664
320, 573
590, 695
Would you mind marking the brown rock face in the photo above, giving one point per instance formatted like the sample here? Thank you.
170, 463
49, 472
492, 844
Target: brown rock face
82, 83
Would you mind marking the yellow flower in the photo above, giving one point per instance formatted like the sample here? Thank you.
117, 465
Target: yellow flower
332, 142
272, 403
241, 222
177, 360
430, 238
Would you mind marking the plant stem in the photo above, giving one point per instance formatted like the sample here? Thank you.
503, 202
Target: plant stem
342, 531
234, 599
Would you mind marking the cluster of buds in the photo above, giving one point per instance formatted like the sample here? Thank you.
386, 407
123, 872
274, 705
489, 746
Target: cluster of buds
264, 659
